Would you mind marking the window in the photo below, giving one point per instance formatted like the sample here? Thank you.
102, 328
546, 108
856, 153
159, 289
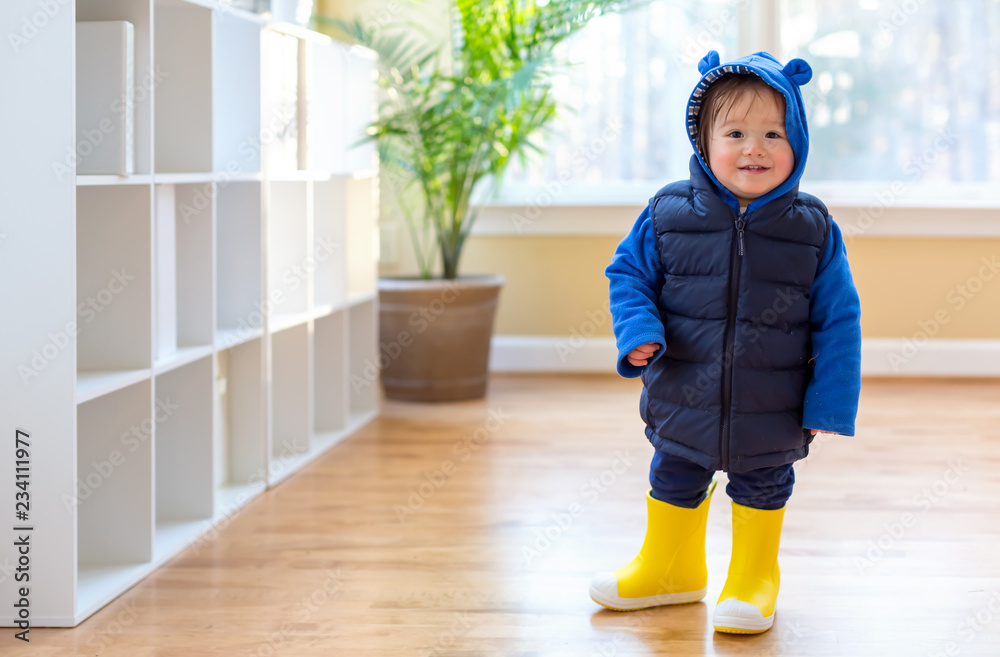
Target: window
902, 90
623, 97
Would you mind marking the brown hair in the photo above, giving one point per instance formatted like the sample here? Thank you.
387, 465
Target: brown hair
723, 94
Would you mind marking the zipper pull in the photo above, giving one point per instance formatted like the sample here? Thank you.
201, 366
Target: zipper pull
740, 224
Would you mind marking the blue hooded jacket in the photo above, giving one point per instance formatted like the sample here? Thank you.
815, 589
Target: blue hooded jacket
755, 312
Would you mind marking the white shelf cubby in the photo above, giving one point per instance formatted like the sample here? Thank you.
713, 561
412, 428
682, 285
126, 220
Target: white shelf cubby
362, 390
291, 418
239, 311
360, 77
329, 243
184, 326
113, 287
330, 374
336, 130
362, 237
325, 111
281, 113
288, 280
240, 437
113, 499
183, 410
183, 57
236, 89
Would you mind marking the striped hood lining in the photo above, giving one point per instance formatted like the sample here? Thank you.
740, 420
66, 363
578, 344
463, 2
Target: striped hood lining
694, 104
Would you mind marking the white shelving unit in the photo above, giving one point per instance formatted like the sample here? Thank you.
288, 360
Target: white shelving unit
186, 336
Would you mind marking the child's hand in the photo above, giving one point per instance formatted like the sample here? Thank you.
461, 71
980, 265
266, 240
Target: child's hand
813, 432
641, 354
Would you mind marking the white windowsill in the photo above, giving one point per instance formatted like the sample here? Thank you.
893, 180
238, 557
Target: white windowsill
900, 209
901, 193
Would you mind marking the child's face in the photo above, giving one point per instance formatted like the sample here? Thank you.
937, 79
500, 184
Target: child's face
748, 149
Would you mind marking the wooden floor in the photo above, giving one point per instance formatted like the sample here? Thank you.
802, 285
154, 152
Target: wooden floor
472, 529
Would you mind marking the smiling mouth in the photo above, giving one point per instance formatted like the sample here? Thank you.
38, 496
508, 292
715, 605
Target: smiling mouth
754, 169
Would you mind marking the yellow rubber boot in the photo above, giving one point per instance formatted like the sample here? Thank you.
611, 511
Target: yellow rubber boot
746, 605
670, 568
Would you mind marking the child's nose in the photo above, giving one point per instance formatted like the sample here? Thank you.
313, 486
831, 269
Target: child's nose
753, 146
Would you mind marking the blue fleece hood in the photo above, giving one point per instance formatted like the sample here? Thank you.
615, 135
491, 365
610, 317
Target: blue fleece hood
787, 79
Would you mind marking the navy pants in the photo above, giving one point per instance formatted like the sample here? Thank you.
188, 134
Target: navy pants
680, 482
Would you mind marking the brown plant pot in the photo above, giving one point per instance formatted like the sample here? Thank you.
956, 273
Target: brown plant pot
434, 336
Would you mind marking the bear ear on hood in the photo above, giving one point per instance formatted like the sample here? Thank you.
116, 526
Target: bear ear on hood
708, 62
798, 71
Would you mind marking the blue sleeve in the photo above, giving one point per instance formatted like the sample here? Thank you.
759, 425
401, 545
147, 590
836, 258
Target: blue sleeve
831, 402
635, 284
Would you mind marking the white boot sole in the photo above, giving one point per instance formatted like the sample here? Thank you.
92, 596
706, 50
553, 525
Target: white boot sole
738, 617
604, 591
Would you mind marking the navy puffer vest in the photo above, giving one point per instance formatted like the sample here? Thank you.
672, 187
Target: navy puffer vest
728, 391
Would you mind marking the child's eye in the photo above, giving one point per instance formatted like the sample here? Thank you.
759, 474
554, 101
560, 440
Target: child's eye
773, 135
735, 134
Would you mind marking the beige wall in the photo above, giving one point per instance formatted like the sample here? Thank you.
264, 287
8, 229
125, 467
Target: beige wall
555, 284
903, 282
552, 283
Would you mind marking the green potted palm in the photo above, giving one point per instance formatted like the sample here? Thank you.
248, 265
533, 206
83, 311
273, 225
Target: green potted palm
451, 117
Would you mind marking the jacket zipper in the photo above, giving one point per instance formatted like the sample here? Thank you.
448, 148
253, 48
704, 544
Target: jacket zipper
727, 381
